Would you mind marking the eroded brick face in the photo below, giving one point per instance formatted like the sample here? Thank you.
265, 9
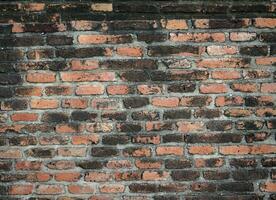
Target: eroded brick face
137, 100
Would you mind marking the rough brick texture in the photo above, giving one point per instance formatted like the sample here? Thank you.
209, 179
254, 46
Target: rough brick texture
137, 100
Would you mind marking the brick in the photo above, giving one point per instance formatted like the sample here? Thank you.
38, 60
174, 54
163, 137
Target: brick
130, 51
165, 102
265, 23
223, 63
201, 150
213, 88
197, 37
104, 39
84, 64
155, 175
49, 189
268, 187
222, 50
86, 76
175, 24
21, 189
268, 87
81, 189
242, 149
24, 117
169, 150
41, 77
242, 36
74, 103
67, 176
112, 188
117, 89
85, 139
244, 87
90, 89
102, 7
10, 154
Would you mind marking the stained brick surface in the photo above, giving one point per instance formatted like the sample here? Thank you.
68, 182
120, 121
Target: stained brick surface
137, 100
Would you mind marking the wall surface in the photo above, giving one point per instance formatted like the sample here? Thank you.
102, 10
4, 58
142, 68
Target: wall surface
137, 100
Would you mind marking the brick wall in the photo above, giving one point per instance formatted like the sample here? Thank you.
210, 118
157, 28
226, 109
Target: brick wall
137, 100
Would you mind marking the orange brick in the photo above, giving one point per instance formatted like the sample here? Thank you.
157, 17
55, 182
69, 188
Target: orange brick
74, 103
245, 87
85, 139
165, 102
187, 127
81, 189
268, 87
213, 88
44, 103
175, 24
201, 150
265, 22
41, 77
84, 64
49, 189
24, 117
117, 89
90, 89
226, 75
169, 150
21, 189
130, 51
34, 7
222, 50
149, 89
112, 188
87, 76
97, 177
268, 187
242, 149
67, 176
69, 128
155, 176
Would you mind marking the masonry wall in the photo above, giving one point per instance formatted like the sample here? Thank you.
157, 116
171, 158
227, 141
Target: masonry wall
137, 100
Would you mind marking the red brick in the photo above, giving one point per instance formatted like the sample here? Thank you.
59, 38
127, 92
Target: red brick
84, 64
49, 189
21, 189
174, 24
265, 22
130, 51
169, 150
75, 103
85, 139
90, 89
97, 177
268, 187
44, 104
242, 149
226, 75
67, 176
117, 89
81, 189
17, 117
213, 88
268, 87
201, 150
165, 102
112, 188
87, 76
41, 77
222, 50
